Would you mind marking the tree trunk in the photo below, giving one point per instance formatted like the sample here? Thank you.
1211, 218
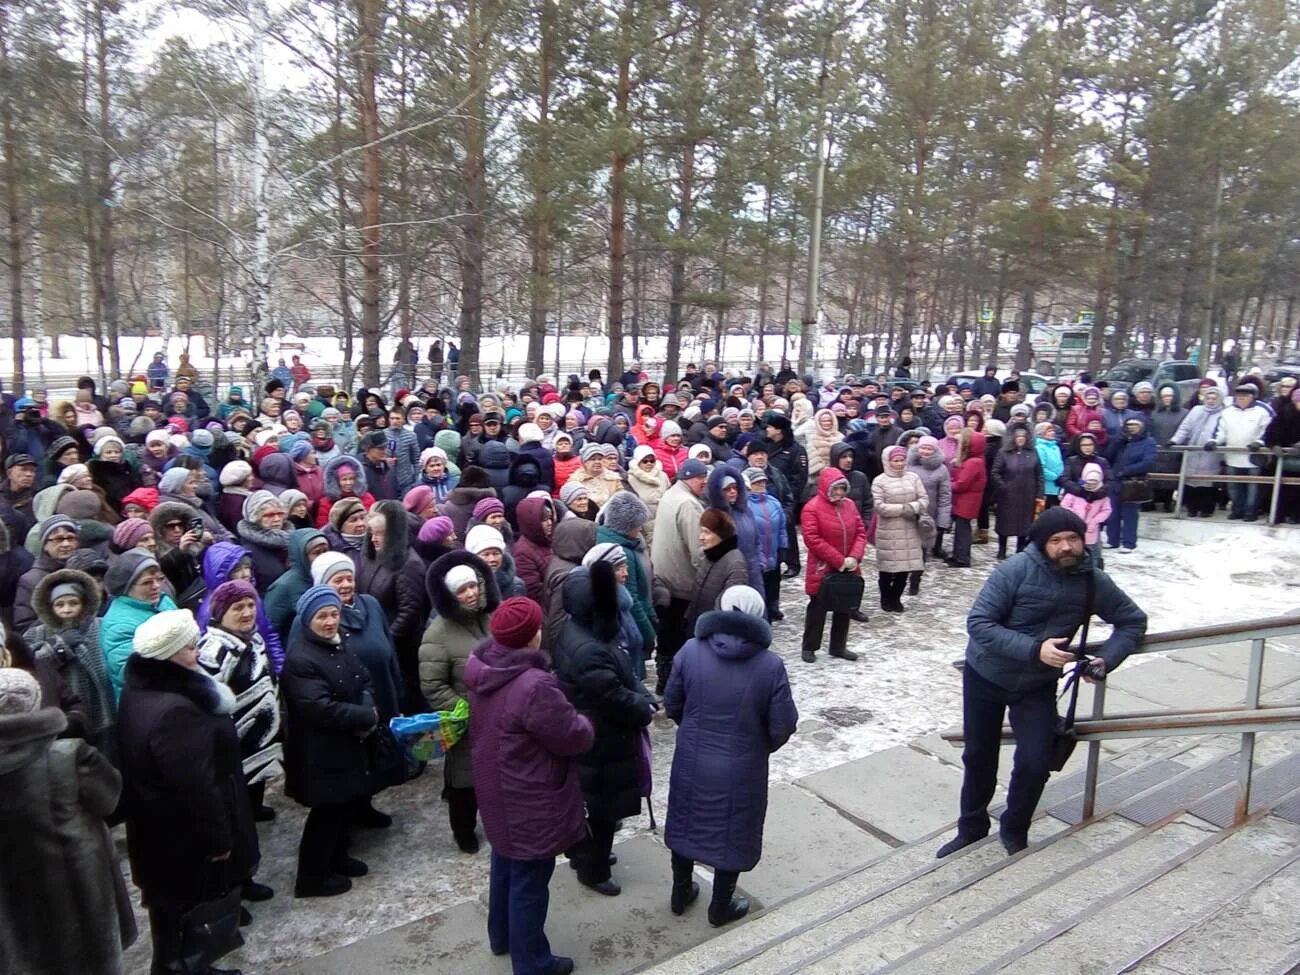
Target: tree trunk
14, 242
368, 19
618, 193
540, 280
475, 176
104, 190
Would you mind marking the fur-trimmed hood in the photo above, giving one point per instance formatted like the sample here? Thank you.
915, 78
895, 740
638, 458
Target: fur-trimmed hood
90, 598
444, 603
331, 476
165, 512
732, 634
718, 481
397, 536
1009, 438
591, 597
147, 674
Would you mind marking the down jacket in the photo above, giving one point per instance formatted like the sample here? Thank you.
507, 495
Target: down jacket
899, 500
730, 697
832, 530
938, 485
1198, 428
395, 577
573, 538
533, 548
526, 739
449, 639
597, 677
742, 516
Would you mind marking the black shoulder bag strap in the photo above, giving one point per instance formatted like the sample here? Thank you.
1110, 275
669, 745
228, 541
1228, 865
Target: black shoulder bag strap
1065, 739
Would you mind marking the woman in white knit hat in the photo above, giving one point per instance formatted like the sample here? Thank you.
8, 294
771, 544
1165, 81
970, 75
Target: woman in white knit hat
189, 824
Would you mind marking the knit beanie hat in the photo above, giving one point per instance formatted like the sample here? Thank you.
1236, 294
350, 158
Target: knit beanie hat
590, 451
610, 552
458, 577
753, 475
165, 634
59, 446
699, 450
329, 564
515, 622
314, 600
125, 569
571, 491
447, 440
718, 522
234, 473
343, 509
256, 502
691, 469
229, 593
47, 527
417, 498
73, 471
428, 453
742, 599
670, 429
104, 441
624, 512
436, 530
19, 692
128, 533
486, 507
530, 433
1053, 521
1092, 474
291, 496
201, 439
483, 537
300, 449
173, 480
641, 453
66, 589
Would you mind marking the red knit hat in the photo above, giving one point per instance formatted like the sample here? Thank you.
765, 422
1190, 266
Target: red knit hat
516, 621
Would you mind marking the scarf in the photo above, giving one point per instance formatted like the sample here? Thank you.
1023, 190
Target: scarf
276, 538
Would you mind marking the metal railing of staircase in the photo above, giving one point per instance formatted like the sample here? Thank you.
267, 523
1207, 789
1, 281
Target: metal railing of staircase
1248, 719
1277, 479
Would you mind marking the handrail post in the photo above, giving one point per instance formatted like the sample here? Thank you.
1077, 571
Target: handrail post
1182, 484
1246, 757
1094, 753
1277, 486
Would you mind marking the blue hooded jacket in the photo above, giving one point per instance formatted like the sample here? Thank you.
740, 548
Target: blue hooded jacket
747, 535
219, 560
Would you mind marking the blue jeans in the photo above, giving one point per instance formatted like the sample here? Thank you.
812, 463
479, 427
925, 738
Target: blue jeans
1122, 525
518, 897
1244, 497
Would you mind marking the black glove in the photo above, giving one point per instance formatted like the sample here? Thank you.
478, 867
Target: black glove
1255, 445
1211, 446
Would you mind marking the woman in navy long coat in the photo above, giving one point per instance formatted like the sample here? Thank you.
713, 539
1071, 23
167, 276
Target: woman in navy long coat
731, 700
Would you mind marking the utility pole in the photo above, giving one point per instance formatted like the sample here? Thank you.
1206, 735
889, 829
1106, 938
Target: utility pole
809, 338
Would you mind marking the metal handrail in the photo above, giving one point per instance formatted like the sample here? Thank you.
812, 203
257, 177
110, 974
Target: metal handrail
1276, 479
1249, 718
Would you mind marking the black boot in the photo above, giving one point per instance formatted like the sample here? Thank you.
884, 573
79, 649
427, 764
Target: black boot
859, 617
914, 583
685, 889
844, 654
726, 906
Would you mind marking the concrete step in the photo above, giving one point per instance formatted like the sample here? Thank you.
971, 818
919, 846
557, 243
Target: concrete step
1257, 932
972, 925
1104, 937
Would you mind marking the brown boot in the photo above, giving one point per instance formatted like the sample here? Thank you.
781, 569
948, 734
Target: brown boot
981, 536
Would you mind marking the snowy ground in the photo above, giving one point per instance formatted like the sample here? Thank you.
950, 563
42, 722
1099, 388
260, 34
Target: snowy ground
903, 687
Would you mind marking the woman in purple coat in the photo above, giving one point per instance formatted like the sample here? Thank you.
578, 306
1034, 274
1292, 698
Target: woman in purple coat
527, 737
731, 700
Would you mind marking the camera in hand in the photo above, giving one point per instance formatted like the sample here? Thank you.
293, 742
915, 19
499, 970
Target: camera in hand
195, 525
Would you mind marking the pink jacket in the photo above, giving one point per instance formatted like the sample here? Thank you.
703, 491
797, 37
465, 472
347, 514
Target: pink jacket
1093, 513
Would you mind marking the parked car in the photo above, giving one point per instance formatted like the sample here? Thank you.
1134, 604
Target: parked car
1280, 370
1032, 383
1180, 373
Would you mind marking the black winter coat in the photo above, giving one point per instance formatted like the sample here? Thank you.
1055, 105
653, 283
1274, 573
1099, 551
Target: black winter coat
183, 797
1017, 481
597, 678
327, 702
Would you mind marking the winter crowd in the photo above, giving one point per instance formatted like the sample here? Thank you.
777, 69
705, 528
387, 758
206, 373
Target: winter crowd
200, 598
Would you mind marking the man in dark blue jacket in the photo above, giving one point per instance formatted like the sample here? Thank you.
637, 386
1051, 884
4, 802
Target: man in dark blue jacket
1020, 630
988, 384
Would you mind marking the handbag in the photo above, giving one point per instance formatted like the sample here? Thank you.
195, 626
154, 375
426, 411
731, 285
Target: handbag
841, 591
390, 764
1064, 737
210, 930
929, 531
1135, 490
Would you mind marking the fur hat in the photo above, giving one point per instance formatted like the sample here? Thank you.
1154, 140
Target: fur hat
625, 513
483, 537
19, 692
515, 622
166, 634
474, 476
718, 522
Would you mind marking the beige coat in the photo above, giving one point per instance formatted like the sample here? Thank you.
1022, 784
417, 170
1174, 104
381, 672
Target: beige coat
649, 487
899, 500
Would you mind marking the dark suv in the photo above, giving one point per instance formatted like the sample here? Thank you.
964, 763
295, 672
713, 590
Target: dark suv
1179, 373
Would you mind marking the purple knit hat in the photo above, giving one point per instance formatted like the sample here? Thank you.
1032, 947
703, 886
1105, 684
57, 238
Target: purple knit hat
128, 533
227, 594
486, 507
436, 530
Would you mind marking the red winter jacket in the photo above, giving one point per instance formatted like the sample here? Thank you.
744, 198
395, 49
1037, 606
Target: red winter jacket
968, 480
670, 459
833, 532
1080, 416
532, 550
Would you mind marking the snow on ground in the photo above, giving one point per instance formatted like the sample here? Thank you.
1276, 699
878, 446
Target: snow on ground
903, 687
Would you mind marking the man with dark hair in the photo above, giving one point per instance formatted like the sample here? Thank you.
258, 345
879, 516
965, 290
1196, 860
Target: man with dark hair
1020, 630
987, 385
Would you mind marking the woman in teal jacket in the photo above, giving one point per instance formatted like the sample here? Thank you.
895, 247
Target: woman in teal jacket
1050, 456
134, 583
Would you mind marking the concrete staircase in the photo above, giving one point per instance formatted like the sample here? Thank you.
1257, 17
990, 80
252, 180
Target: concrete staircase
1158, 882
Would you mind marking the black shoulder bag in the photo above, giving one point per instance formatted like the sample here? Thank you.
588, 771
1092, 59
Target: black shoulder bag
1064, 738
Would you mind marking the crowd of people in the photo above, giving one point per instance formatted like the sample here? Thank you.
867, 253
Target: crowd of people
201, 598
